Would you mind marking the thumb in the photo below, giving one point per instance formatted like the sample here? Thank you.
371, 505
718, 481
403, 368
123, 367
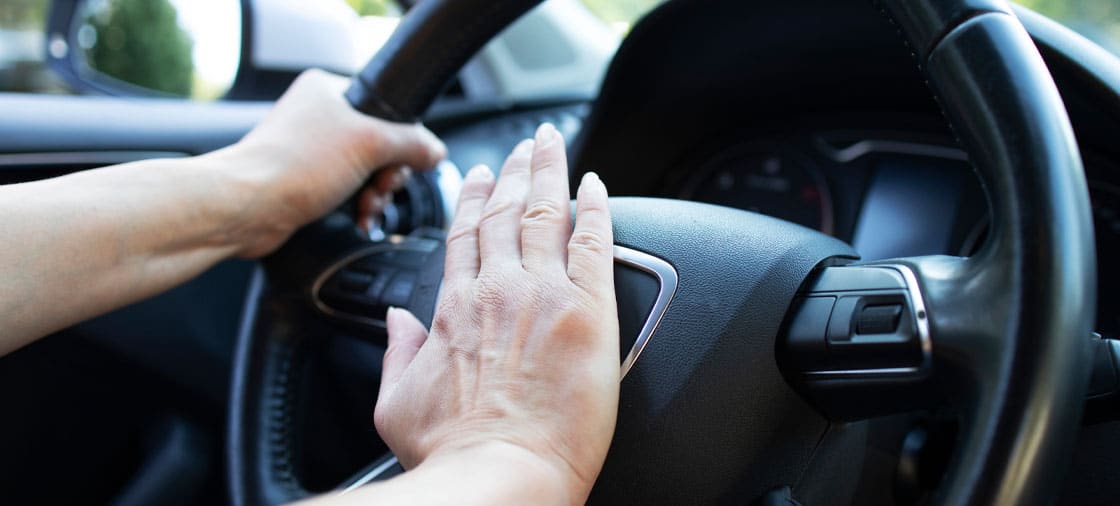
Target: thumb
406, 336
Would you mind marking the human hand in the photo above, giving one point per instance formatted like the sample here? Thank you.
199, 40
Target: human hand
522, 362
309, 154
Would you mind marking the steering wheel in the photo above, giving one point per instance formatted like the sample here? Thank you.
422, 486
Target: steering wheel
761, 341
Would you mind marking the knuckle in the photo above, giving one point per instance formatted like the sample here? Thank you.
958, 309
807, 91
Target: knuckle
442, 327
461, 232
497, 209
463, 349
592, 209
543, 210
380, 418
545, 161
589, 241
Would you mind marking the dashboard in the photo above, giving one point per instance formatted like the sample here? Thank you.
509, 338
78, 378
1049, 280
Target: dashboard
888, 192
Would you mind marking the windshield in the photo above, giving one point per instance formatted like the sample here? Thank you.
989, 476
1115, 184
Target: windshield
620, 14
1097, 20
22, 23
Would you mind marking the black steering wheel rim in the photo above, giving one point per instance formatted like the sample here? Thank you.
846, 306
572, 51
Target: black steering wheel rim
1019, 375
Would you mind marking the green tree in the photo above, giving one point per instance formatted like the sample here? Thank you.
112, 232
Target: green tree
375, 7
141, 42
620, 11
23, 14
1098, 20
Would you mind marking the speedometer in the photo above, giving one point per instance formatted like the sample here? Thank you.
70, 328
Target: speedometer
775, 184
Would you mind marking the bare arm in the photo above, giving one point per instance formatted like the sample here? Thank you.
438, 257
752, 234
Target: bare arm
511, 398
81, 245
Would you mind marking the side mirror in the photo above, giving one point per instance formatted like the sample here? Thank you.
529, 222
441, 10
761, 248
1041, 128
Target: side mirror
206, 49
159, 48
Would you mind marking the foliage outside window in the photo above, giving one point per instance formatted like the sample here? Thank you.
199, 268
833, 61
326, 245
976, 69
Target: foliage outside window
1098, 20
140, 42
375, 7
23, 14
22, 23
620, 14
22, 26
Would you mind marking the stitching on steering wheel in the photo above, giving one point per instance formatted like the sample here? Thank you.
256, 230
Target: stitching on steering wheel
281, 397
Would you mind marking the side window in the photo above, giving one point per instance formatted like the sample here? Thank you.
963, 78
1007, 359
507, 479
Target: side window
22, 69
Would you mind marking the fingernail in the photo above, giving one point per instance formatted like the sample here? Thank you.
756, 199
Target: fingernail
479, 172
524, 147
546, 133
591, 177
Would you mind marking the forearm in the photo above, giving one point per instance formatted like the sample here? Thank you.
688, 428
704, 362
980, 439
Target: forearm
492, 475
81, 245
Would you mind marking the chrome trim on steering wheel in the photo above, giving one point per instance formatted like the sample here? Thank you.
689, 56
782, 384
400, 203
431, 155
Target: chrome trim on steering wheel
372, 475
667, 279
392, 242
449, 180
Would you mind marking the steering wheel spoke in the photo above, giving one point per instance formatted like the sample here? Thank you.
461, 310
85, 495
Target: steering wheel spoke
869, 339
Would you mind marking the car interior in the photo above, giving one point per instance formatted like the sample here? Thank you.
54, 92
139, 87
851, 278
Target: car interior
915, 164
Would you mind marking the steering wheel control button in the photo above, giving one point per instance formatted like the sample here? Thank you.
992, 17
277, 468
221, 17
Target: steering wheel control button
400, 289
840, 325
856, 322
380, 281
882, 319
354, 282
360, 287
806, 335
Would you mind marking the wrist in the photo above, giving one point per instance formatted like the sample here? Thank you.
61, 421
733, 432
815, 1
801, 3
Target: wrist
524, 476
241, 196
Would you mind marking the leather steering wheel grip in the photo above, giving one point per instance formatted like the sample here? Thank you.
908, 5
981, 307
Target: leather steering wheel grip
1003, 105
427, 49
1005, 109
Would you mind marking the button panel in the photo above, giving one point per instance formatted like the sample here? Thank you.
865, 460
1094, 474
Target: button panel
856, 320
363, 286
